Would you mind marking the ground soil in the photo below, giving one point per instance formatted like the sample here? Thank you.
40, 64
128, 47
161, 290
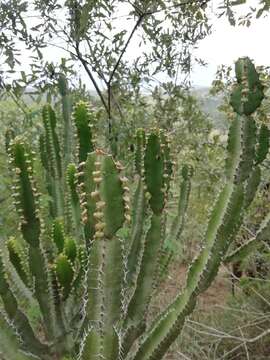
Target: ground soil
213, 298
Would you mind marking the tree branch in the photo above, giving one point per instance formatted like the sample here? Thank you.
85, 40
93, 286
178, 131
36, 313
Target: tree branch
118, 106
188, 2
140, 18
98, 71
138, 22
89, 73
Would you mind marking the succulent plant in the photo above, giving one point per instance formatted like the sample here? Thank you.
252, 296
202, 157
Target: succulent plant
92, 284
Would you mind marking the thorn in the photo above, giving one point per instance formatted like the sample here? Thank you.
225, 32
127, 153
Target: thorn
98, 215
97, 180
94, 194
100, 205
97, 164
99, 234
124, 179
100, 226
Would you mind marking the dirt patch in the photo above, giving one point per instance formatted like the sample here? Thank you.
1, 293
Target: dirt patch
210, 301
216, 294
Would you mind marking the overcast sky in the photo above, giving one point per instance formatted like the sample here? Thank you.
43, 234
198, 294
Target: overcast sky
223, 46
227, 43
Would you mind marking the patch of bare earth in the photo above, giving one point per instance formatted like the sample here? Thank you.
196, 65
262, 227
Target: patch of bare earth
215, 295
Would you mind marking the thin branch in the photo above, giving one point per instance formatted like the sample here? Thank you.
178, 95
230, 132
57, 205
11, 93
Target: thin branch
223, 335
140, 18
138, 22
118, 106
245, 345
260, 336
188, 2
86, 65
61, 48
98, 71
183, 355
245, 341
89, 73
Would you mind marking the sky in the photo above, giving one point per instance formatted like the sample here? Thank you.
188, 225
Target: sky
227, 43
223, 46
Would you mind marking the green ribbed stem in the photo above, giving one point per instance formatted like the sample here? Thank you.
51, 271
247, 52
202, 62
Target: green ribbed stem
67, 123
52, 161
105, 280
223, 225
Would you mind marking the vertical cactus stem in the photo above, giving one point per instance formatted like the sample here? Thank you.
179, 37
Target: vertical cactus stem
43, 152
136, 241
66, 110
26, 196
82, 266
52, 161
70, 249
86, 189
233, 147
146, 279
146, 276
91, 342
168, 163
112, 194
73, 203
83, 118
154, 171
43, 289
51, 141
262, 150
165, 255
248, 147
179, 220
58, 235
138, 213
185, 187
263, 144
65, 274
225, 220
31, 228
105, 279
9, 136
139, 152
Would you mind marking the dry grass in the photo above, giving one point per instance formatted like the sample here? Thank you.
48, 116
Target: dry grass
221, 327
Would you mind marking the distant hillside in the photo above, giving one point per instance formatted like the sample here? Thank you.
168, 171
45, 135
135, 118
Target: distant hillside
210, 105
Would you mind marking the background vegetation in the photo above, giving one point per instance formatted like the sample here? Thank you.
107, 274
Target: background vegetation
128, 95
